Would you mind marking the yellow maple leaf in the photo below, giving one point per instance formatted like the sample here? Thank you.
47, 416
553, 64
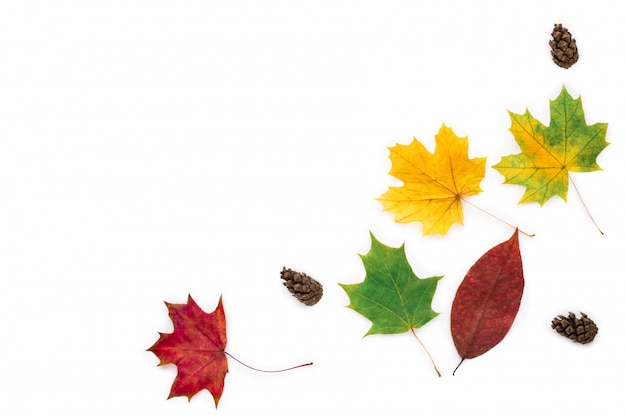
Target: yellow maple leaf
435, 184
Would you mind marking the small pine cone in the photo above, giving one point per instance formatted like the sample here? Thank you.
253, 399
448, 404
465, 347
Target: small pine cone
581, 330
564, 50
307, 290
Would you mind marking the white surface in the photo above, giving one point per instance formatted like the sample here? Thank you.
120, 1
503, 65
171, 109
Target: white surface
151, 149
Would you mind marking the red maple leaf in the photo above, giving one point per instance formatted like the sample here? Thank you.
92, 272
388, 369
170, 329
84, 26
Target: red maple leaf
196, 347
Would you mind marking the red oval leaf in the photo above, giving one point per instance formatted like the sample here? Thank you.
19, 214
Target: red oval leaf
488, 299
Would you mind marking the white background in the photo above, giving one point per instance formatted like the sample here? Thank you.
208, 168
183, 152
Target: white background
155, 149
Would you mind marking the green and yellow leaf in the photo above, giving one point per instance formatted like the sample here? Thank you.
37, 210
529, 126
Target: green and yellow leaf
549, 153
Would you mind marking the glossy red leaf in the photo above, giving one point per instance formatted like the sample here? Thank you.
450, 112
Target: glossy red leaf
488, 299
196, 347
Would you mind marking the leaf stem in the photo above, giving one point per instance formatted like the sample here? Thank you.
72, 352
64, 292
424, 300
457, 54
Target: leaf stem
497, 218
262, 370
584, 205
457, 367
426, 350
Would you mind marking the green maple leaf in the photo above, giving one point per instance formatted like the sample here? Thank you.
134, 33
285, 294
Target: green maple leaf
392, 297
549, 153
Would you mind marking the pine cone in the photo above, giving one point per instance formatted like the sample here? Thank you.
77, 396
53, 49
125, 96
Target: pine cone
307, 290
581, 330
564, 50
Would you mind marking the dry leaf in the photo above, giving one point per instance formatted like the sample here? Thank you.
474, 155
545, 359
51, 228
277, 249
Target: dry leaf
487, 300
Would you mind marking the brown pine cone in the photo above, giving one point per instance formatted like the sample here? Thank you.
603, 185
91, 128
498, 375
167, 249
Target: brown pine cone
564, 50
581, 330
307, 290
